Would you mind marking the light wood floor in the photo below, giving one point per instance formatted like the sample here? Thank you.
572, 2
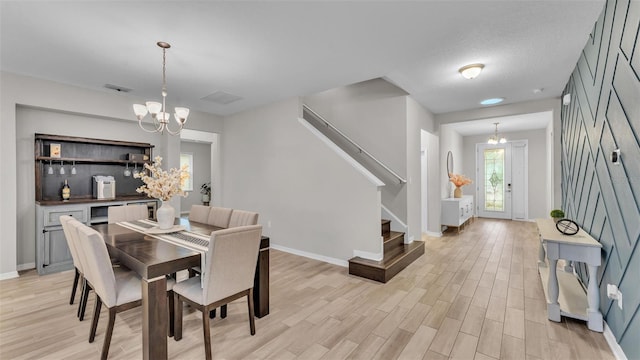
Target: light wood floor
476, 295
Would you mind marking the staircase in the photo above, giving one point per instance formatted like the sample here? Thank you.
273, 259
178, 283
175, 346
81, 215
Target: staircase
397, 256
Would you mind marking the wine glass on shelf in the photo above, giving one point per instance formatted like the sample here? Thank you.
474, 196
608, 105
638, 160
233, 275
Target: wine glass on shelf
61, 167
73, 169
127, 171
50, 169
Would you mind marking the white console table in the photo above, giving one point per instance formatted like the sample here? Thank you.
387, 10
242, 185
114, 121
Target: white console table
565, 296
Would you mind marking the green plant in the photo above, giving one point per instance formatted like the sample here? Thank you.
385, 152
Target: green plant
557, 213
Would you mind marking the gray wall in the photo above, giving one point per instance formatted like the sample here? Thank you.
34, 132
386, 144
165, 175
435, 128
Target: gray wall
604, 198
537, 176
201, 172
310, 200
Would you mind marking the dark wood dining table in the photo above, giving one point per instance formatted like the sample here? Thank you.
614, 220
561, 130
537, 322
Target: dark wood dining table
153, 259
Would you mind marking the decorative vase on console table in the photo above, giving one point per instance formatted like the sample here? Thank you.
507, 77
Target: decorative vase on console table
459, 181
163, 185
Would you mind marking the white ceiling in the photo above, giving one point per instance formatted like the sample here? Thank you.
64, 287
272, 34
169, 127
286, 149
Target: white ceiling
268, 51
506, 124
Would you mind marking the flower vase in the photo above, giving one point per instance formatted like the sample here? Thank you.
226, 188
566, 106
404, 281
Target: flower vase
165, 216
457, 193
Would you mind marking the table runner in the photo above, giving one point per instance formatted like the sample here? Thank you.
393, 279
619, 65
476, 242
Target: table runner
184, 238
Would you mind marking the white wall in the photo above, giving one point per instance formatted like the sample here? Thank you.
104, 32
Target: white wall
310, 200
96, 108
373, 114
418, 119
450, 140
538, 177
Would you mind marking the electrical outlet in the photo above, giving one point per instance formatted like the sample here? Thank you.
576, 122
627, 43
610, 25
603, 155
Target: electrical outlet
615, 294
269, 223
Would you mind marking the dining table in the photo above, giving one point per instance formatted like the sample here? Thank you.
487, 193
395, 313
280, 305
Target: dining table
154, 256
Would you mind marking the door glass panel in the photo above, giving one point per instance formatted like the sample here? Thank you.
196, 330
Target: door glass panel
494, 179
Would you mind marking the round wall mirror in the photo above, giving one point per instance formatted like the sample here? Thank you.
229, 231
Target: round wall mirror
449, 163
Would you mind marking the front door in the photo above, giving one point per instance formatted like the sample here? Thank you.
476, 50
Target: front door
502, 180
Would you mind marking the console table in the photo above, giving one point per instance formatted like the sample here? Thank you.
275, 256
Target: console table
564, 294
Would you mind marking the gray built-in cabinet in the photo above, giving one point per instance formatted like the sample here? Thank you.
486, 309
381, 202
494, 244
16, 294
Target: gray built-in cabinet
89, 157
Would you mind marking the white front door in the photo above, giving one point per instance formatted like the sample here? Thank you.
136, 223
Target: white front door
502, 180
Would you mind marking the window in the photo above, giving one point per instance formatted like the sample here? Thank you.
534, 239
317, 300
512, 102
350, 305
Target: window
494, 179
187, 159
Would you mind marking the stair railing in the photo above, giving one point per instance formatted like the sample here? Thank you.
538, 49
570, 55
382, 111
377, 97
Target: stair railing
308, 110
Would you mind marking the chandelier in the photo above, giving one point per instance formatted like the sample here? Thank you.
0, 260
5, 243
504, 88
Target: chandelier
494, 139
158, 110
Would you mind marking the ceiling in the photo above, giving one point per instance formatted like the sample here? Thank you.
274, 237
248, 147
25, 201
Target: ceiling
506, 124
268, 51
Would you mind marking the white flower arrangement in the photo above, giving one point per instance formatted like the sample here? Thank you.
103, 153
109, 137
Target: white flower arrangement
162, 184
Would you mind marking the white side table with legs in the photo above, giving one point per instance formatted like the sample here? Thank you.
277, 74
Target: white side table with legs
565, 296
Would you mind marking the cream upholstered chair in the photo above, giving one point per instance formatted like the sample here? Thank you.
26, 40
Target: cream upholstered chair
242, 218
127, 213
230, 268
118, 292
199, 213
66, 228
219, 217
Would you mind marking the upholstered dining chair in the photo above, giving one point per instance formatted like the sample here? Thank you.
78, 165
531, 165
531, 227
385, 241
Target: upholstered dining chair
230, 268
118, 292
127, 213
242, 218
219, 216
78, 277
199, 213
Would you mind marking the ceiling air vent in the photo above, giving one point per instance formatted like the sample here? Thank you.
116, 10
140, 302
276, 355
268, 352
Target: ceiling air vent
222, 98
117, 88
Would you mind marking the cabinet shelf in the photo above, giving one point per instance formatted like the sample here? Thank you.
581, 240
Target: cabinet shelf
56, 160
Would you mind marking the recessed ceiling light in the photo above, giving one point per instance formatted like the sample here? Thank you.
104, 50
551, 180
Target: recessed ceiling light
538, 91
491, 101
471, 71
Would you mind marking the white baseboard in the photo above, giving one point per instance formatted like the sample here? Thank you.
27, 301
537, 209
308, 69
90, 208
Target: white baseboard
434, 234
9, 275
27, 266
613, 344
368, 255
309, 255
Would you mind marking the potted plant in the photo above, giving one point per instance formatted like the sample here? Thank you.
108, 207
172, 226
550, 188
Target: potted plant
557, 214
205, 190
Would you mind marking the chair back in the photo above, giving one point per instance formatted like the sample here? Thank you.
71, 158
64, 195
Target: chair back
219, 217
243, 218
70, 234
199, 213
231, 262
127, 213
99, 271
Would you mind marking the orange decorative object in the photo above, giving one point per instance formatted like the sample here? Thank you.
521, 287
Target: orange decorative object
459, 180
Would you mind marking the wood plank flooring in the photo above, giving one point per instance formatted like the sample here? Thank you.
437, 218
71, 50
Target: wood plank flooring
473, 295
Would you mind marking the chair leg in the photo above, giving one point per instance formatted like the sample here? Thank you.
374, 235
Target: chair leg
83, 283
212, 313
207, 334
177, 313
223, 311
76, 277
171, 311
252, 322
107, 335
85, 298
96, 317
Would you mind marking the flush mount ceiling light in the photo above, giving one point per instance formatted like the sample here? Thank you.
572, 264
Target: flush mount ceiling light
471, 71
495, 139
491, 101
157, 110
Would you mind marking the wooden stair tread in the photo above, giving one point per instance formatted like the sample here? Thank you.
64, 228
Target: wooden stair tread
392, 235
389, 261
